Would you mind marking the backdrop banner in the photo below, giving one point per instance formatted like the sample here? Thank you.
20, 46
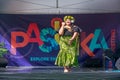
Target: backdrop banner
32, 39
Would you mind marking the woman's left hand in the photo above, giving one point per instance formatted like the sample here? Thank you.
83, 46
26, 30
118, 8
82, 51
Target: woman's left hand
70, 42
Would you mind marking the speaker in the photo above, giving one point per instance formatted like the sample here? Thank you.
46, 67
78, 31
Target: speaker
3, 62
94, 63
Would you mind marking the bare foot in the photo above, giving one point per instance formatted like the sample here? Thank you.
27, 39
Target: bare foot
66, 70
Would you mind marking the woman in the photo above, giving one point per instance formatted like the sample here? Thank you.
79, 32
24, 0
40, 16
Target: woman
69, 44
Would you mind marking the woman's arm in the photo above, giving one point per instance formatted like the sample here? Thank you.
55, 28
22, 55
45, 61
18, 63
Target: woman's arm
61, 31
73, 37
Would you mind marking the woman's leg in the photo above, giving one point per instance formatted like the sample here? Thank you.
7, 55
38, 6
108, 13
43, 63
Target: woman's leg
69, 68
66, 69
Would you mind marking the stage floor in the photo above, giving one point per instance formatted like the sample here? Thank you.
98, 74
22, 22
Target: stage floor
56, 73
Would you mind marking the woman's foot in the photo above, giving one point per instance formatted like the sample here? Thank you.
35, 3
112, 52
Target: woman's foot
66, 70
69, 69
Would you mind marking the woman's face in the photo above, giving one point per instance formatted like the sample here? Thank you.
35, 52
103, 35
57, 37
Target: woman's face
68, 22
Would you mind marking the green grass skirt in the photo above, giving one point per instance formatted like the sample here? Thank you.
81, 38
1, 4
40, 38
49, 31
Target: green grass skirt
67, 55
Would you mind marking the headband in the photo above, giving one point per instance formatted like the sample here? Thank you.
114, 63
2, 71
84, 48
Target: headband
69, 17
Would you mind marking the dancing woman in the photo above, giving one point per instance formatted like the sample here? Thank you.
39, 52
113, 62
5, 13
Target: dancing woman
69, 44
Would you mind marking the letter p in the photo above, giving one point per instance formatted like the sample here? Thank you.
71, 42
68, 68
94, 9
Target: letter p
15, 44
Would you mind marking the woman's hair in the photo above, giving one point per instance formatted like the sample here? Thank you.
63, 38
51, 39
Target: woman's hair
69, 17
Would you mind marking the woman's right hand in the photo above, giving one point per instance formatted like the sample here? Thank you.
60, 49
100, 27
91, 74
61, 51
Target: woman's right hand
63, 24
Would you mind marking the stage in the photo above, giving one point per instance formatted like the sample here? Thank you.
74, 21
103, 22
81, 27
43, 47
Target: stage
56, 73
